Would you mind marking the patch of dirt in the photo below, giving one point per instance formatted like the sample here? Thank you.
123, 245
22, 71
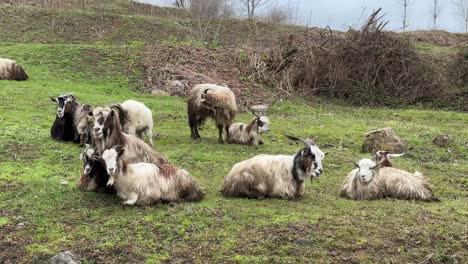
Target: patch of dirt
18, 152
13, 243
232, 67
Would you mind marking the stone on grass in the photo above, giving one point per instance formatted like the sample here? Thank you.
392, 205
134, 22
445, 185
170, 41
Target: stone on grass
383, 139
443, 140
65, 258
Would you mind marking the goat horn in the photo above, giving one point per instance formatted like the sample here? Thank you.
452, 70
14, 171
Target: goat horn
206, 90
306, 142
395, 155
253, 112
355, 164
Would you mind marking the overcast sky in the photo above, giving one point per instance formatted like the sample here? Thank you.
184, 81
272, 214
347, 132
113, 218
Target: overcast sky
341, 14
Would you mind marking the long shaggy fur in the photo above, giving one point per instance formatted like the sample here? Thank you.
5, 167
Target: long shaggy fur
136, 149
388, 182
139, 120
10, 70
248, 134
211, 101
146, 183
83, 124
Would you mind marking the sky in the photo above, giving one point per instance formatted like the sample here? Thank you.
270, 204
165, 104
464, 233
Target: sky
342, 14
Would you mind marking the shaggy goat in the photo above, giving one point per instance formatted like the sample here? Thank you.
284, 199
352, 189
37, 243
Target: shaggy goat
146, 183
94, 176
211, 101
10, 70
83, 124
382, 157
62, 128
249, 134
371, 181
139, 119
279, 176
108, 133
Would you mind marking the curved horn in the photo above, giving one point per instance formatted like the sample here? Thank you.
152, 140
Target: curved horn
306, 143
207, 89
395, 155
123, 117
355, 164
253, 112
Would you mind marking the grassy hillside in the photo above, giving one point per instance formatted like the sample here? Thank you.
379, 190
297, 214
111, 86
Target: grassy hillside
321, 227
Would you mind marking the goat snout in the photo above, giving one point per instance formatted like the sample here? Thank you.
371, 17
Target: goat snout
87, 170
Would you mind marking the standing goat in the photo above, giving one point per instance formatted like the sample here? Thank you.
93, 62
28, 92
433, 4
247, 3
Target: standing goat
94, 176
146, 183
10, 70
372, 181
108, 133
211, 101
278, 176
241, 133
62, 128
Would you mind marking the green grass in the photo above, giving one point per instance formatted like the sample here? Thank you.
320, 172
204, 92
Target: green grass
321, 227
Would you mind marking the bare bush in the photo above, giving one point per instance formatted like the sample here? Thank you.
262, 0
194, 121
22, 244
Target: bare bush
212, 8
369, 66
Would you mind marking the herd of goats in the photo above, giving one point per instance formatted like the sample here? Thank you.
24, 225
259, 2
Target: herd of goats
117, 159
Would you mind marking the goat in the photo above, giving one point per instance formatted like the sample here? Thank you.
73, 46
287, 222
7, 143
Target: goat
108, 133
139, 119
82, 124
146, 183
382, 157
94, 176
211, 101
10, 70
249, 134
276, 176
372, 181
62, 128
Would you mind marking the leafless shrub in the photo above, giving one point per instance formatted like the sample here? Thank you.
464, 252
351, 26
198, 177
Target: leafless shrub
369, 66
212, 8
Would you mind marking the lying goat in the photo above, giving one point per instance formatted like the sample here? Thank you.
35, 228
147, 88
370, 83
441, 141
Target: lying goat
94, 176
146, 183
372, 181
279, 176
241, 133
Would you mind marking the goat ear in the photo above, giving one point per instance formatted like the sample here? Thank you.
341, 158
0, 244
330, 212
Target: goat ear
53, 99
81, 156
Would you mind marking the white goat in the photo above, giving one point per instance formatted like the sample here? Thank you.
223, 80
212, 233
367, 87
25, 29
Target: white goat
249, 134
146, 183
279, 176
10, 70
139, 120
371, 181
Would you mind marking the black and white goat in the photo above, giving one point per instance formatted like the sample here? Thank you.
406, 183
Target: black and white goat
276, 176
94, 176
62, 128
249, 134
211, 101
147, 183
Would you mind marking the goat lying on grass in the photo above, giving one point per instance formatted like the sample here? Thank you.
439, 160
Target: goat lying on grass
372, 181
249, 134
146, 183
278, 176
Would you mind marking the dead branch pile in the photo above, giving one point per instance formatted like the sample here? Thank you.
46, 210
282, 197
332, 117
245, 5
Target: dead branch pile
369, 66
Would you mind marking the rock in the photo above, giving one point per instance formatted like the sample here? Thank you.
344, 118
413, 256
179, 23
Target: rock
175, 87
383, 139
65, 258
64, 182
443, 140
160, 93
